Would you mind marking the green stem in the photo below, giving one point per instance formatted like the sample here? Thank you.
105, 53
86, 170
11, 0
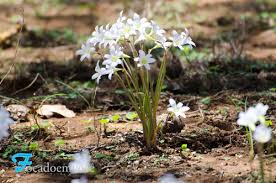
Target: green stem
251, 144
261, 161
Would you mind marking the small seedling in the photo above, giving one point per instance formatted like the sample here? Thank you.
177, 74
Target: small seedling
115, 118
59, 143
132, 156
206, 101
103, 156
185, 151
34, 146
131, 116
104, 121
184, 147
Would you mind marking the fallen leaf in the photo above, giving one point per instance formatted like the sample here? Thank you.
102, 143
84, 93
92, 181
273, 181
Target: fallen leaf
50, 110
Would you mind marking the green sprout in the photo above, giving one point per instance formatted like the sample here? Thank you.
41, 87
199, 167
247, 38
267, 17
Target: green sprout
33, 146
115, 118
131, 116
59, 142
184, 147
104, 121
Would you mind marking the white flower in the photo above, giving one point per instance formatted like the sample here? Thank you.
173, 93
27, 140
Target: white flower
5, 122
261, 112
81, 163
169, 178
121, 18
111, 36
85, 51
179, 40
99, 73
187, 39
262, 134
248, 118
124, 29
177, 109
110, 70
104, 36
158, 35
140, 24
114, 56
144, 60
97, 36
81, 180
127, 31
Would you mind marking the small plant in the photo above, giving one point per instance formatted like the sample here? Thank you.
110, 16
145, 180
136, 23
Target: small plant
115, 118
257, 128
59, 142
128, 49
34, 146
206, 101
184, 147
104, 121
103, 156
131, 116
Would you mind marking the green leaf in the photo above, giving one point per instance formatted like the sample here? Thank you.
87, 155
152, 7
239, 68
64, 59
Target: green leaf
206, 101
268, 122
59, 142
131, 116
45, 124
133, 156
33, 146
115, 117
104, 120
126, 56
186, 50
8, 151
184, 147
89, 84
103, 156
34, 127
120, 92
93, 171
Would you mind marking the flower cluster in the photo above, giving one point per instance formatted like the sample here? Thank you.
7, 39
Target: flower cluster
114, 38
250, 119
177, 109
5, 121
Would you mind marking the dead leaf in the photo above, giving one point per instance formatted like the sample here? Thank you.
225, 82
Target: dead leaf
50, 110
8, 34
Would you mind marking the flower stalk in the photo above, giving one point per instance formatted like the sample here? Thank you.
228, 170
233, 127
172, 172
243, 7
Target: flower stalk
261, 162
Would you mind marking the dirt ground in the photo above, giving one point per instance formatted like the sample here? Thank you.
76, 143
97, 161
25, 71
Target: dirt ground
237, 70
